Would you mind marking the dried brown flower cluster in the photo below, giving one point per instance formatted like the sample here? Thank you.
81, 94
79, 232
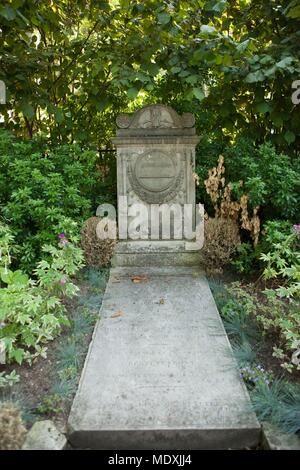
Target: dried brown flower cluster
196, 179
12, 429
225, 207
96, 252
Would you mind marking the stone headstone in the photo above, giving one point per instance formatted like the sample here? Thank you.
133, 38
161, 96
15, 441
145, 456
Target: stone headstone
155, 165
160, 372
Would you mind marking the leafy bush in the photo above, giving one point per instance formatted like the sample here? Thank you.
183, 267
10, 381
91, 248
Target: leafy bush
31, 310
238, 314
246, 258
244, 313
281, 320
283, 260
6, 240
280, 314
71, 353
8, 380
50, 404
40, 186
271, 179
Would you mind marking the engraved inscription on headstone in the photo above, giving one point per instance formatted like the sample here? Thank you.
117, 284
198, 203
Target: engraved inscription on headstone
155, 157
155, 171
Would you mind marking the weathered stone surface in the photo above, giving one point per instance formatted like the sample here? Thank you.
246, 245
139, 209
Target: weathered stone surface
2, 352
275, 439
158, 253
44, 436
160, 372
155, 161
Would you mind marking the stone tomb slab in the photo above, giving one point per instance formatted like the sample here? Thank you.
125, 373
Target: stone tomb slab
160, 372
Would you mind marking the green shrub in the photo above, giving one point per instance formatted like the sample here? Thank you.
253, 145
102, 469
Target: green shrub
40, 186
283, 260
31, 310
238, 314
51, 404
245, 259
281, 320
271, 179
8, 380
245, 313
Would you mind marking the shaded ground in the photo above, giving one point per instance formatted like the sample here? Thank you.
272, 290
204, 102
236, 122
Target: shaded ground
264, 346
46, 388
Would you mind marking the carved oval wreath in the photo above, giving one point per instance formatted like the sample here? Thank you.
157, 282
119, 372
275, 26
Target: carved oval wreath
155, 197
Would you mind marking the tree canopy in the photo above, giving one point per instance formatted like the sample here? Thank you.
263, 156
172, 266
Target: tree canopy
70, 67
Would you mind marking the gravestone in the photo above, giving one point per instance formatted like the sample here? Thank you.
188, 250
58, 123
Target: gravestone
160, 372
155, 165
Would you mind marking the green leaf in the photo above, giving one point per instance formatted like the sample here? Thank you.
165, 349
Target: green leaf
205, 28
6, 275
253, 77
175, 69
266, 59
289, 137
284, 62
220, 6
270, 72
294, 12
263, 107
192, 79
277, 120
198, 93
227, 60
17, 277
242, 46
8, 13
132, 93
27, 110
18, 355
163, 18
59, 116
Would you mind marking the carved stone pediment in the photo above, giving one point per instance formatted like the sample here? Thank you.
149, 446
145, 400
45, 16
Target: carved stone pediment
153, 118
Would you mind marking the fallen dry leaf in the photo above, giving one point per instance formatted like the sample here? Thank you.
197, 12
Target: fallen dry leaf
117, 314
138, 279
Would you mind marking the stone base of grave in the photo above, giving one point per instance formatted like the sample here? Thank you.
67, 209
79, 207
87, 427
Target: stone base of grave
156, 253
160, 372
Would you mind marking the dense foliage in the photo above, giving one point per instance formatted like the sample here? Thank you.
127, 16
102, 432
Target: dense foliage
270, 178
32, 312
45, 190
69, 67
